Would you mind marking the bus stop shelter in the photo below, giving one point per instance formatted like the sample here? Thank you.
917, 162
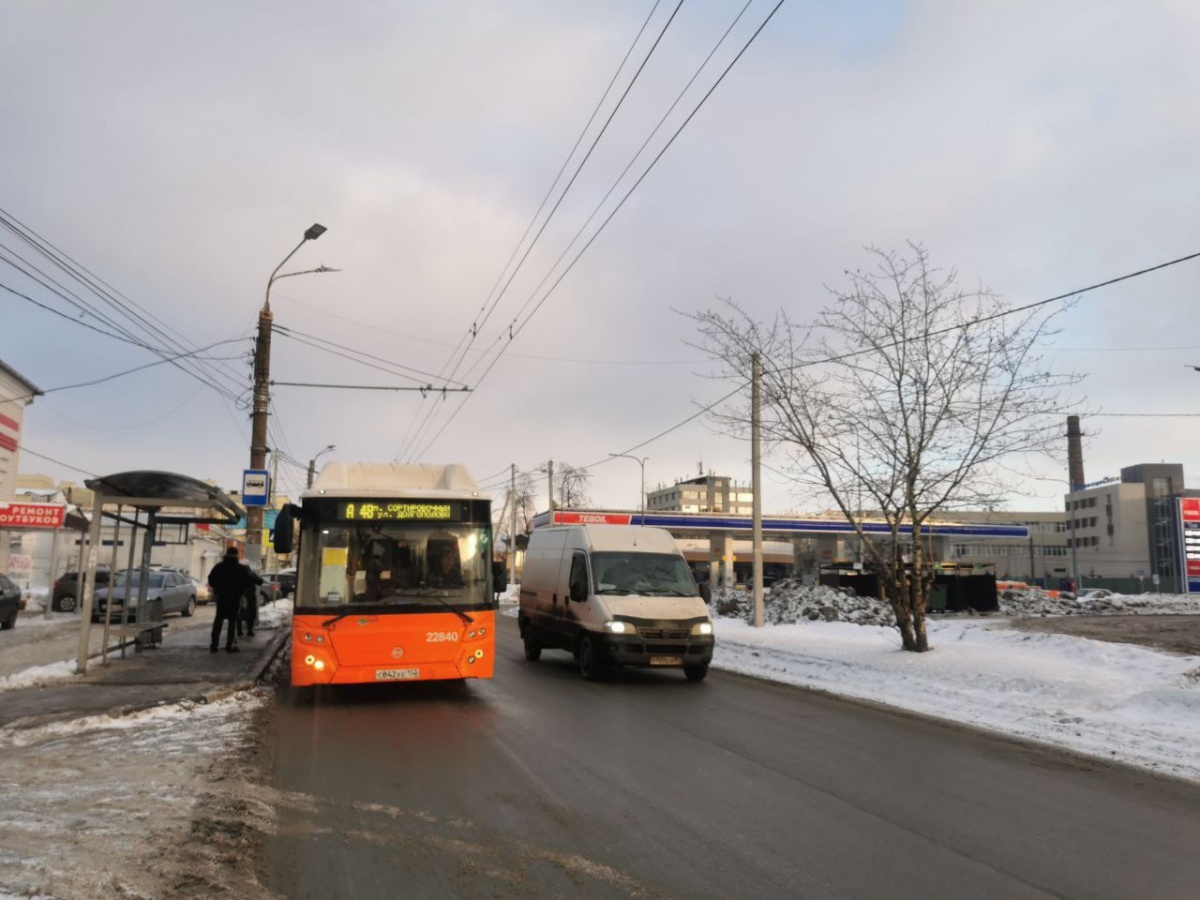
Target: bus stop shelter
155, 502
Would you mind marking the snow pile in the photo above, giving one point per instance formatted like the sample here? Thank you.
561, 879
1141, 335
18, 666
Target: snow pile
1034, 602
790, 601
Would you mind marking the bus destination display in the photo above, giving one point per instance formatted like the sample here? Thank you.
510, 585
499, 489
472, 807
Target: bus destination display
366, 511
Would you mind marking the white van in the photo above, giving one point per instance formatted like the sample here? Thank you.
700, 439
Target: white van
614, 595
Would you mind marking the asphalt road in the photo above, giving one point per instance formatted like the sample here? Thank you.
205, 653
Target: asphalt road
539, 784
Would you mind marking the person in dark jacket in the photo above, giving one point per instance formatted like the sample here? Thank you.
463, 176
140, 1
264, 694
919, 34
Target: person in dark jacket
229, 580
249, 610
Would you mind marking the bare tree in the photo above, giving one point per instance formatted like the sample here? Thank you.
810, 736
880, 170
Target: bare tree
572, 486
524, 496
908, 394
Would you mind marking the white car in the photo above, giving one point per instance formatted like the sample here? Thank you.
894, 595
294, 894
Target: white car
1094, 594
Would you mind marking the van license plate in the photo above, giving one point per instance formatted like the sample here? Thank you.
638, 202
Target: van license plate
666, 661
396, 674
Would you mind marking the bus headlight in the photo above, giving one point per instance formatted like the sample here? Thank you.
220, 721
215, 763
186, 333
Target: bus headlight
701, 628
613, 627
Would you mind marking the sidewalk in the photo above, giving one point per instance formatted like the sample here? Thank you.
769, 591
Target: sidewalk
180, 668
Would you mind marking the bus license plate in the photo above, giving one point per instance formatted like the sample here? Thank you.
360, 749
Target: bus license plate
396, 674
665, 661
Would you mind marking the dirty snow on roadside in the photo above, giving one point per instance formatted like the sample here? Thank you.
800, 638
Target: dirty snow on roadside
158, 803
1112, 701
143, 805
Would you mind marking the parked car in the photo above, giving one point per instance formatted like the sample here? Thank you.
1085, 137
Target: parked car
203, 591
287, 582
174, 589
270, 590
10, 602
1094, 594
65, 597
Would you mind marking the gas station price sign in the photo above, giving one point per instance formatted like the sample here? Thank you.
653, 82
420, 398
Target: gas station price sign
1189, 531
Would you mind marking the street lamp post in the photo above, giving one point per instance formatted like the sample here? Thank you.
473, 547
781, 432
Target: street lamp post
641, 461
312, 463
262, 396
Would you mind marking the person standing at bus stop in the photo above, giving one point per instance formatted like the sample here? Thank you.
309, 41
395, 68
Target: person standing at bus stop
229, 580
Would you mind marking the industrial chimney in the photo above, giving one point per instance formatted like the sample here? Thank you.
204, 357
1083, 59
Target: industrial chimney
1075, 453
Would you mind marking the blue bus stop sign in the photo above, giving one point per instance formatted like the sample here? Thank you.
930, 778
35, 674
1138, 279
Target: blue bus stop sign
254, 487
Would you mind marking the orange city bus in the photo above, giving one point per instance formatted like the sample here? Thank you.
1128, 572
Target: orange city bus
395, 580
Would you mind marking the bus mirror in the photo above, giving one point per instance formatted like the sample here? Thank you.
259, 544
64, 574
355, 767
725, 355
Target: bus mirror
285, 526
499, 577
706, 591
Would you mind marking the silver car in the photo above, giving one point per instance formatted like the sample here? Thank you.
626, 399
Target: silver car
174, 589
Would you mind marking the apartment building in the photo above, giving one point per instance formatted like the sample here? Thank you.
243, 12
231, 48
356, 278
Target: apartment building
704, 493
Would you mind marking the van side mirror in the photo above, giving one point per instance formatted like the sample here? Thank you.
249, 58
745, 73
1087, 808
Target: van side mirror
706, 591
499, 577
285, 528
579, 592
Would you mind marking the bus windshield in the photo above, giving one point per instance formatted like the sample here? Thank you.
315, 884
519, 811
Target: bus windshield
397, 566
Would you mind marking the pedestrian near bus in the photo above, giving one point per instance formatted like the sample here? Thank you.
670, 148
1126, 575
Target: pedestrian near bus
249, 611
229, 580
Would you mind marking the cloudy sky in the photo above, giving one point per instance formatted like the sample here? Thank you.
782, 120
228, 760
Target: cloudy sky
179, 151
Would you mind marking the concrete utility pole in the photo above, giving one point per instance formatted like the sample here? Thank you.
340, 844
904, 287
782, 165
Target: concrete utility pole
756, 483
550, 487
512, 528
262, 398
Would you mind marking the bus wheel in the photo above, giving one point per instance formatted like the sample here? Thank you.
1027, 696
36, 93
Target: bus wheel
695, 673
533, 647
589, 667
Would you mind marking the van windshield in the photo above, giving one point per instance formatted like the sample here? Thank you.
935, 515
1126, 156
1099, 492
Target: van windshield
642, 573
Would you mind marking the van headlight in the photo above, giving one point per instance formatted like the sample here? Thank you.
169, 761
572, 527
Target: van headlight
701, 628
614, 627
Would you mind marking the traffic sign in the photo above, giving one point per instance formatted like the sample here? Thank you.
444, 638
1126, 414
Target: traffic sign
255, 484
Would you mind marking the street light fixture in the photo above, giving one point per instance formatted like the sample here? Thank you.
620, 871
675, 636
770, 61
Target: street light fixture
262, 394
641, 461
312, 463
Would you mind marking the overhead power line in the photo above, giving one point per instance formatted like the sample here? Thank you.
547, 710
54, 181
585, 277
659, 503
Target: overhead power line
115, 375
1075, 293
424, 389
513, 333
459, 354
153, 336
357, 356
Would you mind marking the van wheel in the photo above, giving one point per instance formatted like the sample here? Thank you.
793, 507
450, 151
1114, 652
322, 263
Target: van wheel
533, 647
695, 673
589, 667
